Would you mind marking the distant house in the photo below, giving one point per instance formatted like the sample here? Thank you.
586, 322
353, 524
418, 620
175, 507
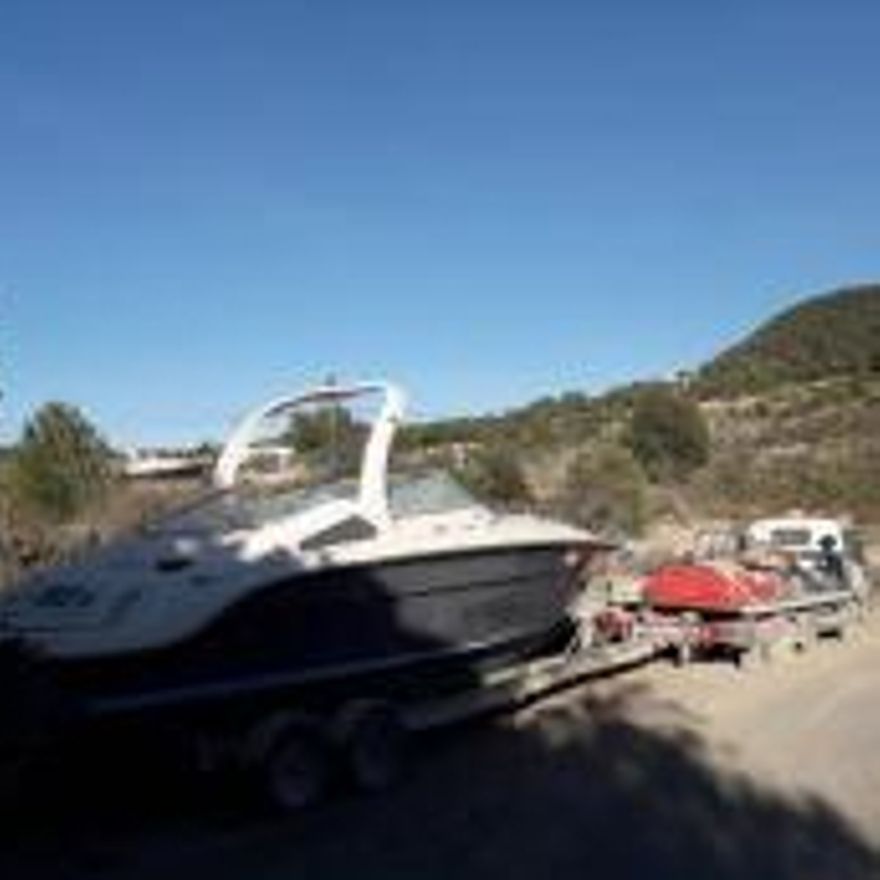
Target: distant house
158, 464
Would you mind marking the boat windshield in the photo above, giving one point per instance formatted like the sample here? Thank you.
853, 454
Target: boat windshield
311, 455
409, 495
250, 507
427, 493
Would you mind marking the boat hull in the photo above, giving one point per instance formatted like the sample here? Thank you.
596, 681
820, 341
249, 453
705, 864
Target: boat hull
407, 628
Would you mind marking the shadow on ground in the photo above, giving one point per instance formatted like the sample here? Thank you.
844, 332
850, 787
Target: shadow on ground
580, 790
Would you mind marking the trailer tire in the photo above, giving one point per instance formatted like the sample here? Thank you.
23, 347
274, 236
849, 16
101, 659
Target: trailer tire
752, 658
684, 653
373, 739
806, 635
289, 761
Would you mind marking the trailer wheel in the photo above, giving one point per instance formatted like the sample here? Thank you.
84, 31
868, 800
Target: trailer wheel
373, 738
295, 772
752, 658
806, 635
684, 653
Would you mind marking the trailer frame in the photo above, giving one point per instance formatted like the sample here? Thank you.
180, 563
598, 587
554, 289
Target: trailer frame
754, 631
367, 739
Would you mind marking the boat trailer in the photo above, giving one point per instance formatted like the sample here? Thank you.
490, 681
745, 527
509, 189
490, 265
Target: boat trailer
291, 758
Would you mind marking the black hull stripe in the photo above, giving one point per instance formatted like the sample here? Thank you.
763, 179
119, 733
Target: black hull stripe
488, 584
249, 685
390, 568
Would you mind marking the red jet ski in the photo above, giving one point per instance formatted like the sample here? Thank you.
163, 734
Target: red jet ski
713, 587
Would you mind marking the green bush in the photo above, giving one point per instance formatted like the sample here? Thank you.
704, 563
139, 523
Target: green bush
667, 434
605, 489
495, 475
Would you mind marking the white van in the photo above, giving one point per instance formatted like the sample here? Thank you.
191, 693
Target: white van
806, 537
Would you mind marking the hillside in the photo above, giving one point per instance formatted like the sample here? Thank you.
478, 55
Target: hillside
830, 335
811, 445
793, 413
827, 337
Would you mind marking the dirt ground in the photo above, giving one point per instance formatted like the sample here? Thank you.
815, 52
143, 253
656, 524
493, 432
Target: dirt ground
703, 772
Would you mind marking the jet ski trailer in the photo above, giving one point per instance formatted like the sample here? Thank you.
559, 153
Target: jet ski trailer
748, 600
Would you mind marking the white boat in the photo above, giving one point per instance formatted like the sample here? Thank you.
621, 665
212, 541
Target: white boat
304, 588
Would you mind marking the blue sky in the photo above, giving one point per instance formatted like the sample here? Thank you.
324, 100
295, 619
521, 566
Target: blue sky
202, 203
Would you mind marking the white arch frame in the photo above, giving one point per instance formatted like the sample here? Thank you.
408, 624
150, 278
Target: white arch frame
373, 488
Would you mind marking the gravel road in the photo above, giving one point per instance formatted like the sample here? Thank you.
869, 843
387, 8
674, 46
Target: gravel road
702, 772
808, 725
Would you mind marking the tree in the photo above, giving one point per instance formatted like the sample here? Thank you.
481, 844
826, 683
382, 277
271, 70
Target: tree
605, 489
667, 434
61, 465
